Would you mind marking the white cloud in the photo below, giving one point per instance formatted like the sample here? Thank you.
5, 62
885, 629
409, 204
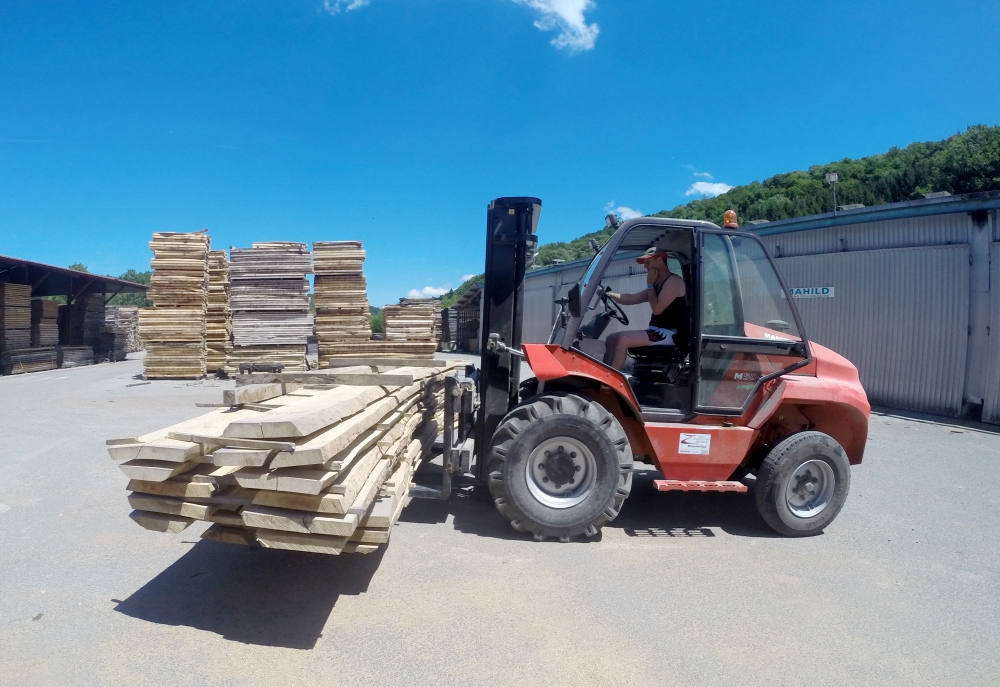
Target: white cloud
703, 175
566, 17
623, 211
467, 277
427, 292
707, 188
335, 6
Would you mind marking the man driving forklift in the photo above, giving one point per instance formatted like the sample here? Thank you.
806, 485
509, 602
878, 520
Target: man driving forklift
667, 296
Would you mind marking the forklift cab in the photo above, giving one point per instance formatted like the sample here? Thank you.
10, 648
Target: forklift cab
743, 329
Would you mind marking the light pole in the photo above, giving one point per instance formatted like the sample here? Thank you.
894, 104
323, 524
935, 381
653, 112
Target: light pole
833, 178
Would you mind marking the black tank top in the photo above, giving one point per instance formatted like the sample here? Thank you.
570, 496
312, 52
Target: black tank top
675, 316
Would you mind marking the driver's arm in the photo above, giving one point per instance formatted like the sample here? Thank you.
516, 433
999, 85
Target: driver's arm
630, 298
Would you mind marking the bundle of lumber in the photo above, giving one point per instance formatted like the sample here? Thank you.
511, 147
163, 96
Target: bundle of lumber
309, 465
219, 320
341, 296
44, 323
269, 298
76, 356
15, 316
121, 331
173, 330
28, 360
410, 328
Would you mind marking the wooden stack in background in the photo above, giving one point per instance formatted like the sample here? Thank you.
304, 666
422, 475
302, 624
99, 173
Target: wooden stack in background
269, 298
121, 331
29, 360
411, 326
219, 319
15, 317
44, 323
304, 466
341, 298
173, 330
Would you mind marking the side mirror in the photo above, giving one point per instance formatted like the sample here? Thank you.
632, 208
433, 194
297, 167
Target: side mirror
575, 308
611, 221
594, 246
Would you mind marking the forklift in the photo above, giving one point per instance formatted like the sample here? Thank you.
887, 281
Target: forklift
740, 391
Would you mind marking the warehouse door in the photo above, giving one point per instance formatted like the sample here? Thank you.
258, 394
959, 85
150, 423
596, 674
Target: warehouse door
991, 404
900, 315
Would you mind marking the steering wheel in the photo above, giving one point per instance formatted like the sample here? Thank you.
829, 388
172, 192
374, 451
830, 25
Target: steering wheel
613, 308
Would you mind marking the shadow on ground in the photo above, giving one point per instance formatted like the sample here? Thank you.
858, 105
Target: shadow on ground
254, 596
646, 513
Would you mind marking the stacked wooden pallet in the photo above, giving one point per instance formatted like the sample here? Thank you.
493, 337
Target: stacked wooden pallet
15, 316
341, 297
269, 298
411, 326
29, 360
44, 323
76, 356
219, 320
306, 466
121, 331
173, 330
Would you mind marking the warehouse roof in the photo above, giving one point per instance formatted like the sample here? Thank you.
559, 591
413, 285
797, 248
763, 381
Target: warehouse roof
49, 280
935, 205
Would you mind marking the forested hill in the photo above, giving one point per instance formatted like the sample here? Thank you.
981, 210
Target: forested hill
963, 163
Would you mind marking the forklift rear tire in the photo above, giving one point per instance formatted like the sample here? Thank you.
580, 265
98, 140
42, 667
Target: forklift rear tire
802, 484
559, 466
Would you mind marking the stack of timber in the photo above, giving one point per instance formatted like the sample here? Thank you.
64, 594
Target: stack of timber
44, 323
449, 329
121, 331
269, 298
173, 330
81, 323
15, 317
76, 356
29, 360
410, 328
307, 465
342, 312
219, 322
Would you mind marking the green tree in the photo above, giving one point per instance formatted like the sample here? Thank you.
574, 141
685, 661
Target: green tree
79, 267
376, 320
136, 299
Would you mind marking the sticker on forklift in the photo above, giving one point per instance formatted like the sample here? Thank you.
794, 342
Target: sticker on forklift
695, 443
812, 292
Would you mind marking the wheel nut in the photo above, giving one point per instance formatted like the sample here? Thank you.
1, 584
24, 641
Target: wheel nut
547, 454
560, 449
572, 455
577, 468
545, 479
541, 466
572, 481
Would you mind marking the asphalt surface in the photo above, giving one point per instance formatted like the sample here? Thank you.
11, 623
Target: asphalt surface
688, 589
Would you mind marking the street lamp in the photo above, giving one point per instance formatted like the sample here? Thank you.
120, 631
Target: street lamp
833, 178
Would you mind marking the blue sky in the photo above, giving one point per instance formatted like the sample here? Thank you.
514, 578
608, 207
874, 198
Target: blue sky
396, 121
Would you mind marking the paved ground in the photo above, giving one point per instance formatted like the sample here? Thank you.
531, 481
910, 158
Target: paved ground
682, 589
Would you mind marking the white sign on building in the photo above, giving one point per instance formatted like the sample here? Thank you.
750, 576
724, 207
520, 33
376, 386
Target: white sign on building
812, 292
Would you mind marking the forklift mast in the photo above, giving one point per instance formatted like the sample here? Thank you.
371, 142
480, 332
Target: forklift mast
511, 240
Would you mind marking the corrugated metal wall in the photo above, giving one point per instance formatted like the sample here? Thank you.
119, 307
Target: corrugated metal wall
991, 404
900, 315
934, 230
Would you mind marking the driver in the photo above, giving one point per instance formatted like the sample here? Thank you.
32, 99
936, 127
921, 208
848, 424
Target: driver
665, 293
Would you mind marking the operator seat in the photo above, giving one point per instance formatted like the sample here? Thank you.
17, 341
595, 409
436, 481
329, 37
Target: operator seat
659, 364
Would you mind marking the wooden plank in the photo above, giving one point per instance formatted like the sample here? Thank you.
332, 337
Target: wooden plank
175, 489
226, 518
350, 482
305, 480
305, 416
256, 478
252, 393
369, 491
270, 518
241, 457
395, 362
169, 506
160, 522
329, 442
154, 471
235, 442
295, 541
170, 450
333, 525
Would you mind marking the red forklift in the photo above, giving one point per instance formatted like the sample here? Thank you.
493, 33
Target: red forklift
742, 391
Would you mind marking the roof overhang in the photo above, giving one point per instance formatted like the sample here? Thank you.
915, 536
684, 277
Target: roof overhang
49, 280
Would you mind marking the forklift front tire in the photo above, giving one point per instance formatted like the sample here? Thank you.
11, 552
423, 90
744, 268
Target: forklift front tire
560, 466
802, 484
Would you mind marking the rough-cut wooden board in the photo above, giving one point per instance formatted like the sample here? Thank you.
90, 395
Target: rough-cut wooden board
327, 443
169, 506
333, 525
275, 518
154, 471
160, 522
307, 415
175, 489
169, 450
295, 541
394, 362
252, 393
369, 491
229, 535
241, 457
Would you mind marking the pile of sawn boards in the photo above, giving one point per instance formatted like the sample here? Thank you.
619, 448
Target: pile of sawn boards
219, 317
341, 297
306, 466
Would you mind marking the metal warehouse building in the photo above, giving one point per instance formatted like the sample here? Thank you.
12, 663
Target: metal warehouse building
909, 292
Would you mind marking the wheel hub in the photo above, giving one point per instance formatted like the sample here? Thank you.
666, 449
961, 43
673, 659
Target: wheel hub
561, 472
810, 488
